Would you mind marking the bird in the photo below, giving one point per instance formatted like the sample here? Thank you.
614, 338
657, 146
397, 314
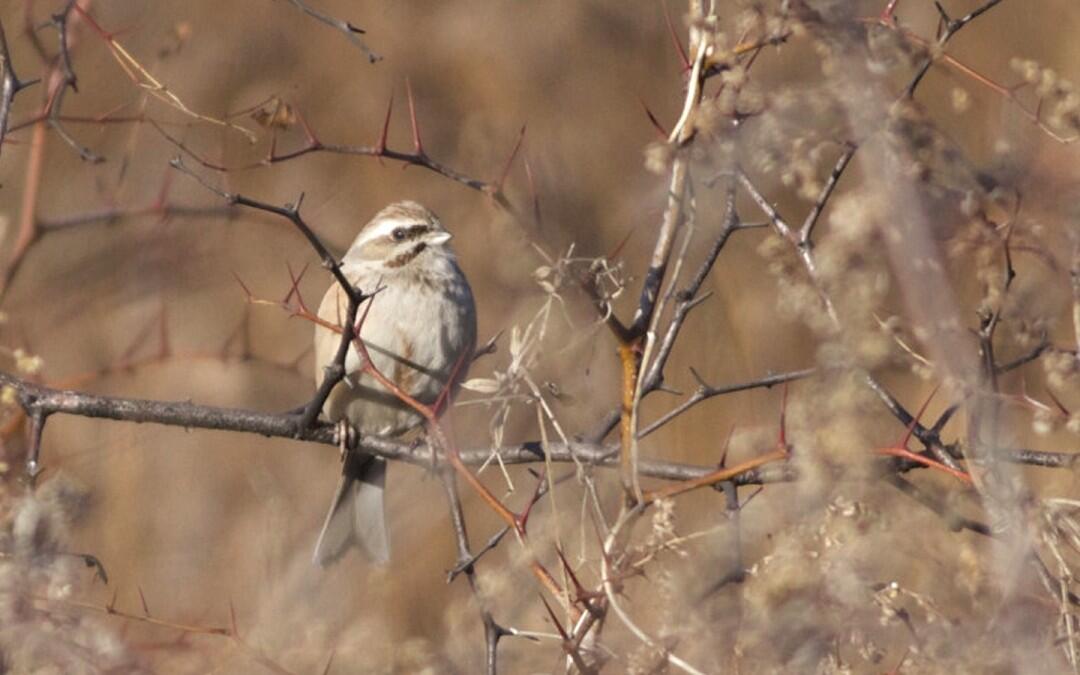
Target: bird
419, 328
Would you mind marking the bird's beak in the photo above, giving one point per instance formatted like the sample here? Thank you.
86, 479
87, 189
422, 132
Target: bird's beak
440, 238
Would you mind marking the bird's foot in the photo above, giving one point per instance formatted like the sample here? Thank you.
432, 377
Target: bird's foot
346, 437
421, 440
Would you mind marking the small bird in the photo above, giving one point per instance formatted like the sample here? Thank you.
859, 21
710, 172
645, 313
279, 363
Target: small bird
420, 331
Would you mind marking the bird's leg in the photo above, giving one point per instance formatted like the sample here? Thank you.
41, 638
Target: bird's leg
423, 438
297, 411
346, 437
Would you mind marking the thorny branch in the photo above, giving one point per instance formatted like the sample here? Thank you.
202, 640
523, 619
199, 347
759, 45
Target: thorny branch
63, 78
706, 391
493, 632
418, 156
231, 632
45, 401
638, 342
950, 27
10, 85
58, 78
291, 212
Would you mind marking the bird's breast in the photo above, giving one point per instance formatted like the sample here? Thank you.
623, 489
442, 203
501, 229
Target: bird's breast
416, 334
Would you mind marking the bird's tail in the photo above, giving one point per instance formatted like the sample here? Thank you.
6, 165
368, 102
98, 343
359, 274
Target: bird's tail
357, 517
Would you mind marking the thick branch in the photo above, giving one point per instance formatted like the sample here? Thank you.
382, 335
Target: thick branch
46, 401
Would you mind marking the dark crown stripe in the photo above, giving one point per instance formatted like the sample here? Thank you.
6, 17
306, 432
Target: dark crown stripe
417, 231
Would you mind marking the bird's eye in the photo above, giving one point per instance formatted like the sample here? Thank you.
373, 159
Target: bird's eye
399, 234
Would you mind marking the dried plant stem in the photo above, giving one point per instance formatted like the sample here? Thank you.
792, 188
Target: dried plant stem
628, 465
610, 581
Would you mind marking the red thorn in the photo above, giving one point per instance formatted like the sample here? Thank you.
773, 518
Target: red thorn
271, 153
163, 192
313, 140
887, 14
652, 118
105, 35
727, 445
554, 619
90, 20
303, 271
142, 598
537, 216
232, 620
904, 453
580, 592
381, 146
294, 284
510, 161
1057, 402
621, 245
782, 440
359, 324
900, 663
418, 145
755, 493
918, 416
329, 662
247, 291
675, 38
523, 519
138, 341
444, 395
163, 332
107, 115
241, 335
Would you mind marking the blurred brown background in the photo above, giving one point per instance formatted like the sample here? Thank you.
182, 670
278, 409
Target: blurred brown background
199, 520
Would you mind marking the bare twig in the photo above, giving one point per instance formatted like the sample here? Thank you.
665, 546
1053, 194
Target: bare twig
493, 632
291, 212
807, 229
62, 79
351, 31
706, 391
688, 299
417, 157
10, 85
950, 28
636, 352
150, 84
114, 215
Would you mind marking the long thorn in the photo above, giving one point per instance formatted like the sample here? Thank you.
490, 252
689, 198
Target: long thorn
537, 216
418, 145
497, 187
652, 118
915, 420
381, 145
675, 39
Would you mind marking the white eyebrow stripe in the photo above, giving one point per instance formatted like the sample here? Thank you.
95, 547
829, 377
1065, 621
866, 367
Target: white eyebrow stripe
383, 228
